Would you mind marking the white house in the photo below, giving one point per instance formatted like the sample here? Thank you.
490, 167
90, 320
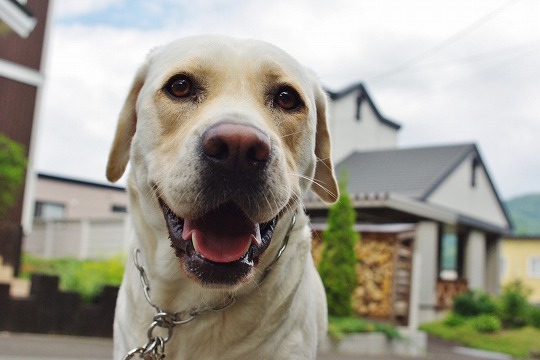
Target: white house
441, 199
78, 218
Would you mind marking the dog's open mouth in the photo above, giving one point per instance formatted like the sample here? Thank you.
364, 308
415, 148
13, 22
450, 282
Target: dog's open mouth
222, 247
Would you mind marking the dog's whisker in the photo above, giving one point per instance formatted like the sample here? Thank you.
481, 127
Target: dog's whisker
317, 183
324, 163
291, 134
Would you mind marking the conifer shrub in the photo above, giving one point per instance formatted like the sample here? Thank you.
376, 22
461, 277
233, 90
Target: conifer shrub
338, 260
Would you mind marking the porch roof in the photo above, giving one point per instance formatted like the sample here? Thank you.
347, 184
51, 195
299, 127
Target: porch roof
387, 208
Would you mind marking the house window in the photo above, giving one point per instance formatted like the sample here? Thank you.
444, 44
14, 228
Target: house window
474, 171
49, 210
534, 266
359, 100
119, 209
448, 254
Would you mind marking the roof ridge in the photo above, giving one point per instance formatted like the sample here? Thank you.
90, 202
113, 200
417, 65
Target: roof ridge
449, 169
361, 88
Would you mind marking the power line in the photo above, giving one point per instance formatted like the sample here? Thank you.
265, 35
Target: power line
510, 54
445, 43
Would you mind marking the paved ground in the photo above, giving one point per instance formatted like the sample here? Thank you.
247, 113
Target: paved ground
49, 347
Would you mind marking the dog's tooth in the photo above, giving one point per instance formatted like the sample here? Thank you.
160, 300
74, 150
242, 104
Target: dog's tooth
194, 240
256, 238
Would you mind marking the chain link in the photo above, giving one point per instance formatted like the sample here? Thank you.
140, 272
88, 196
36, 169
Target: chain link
154, 349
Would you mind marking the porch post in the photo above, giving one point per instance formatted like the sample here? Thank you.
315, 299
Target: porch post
475, 260
493, 258
426, 254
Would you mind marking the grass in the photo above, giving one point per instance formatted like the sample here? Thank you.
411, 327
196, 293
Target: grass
86, 277
339, 327
519, 343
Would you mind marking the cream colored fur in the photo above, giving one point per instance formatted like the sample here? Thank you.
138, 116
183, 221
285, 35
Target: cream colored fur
282, 318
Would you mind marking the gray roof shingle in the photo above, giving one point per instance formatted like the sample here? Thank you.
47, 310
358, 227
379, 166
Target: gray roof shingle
412, 172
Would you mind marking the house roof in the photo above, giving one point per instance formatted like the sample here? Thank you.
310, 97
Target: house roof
362, 94
80, 182
413, 172
408, 177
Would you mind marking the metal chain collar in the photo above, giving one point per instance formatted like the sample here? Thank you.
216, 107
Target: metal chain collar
154, 349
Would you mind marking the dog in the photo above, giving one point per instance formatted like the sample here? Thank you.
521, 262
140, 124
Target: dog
223, 136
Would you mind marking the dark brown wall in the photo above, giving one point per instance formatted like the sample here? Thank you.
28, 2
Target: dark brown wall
17, 100
27, 51
17, 106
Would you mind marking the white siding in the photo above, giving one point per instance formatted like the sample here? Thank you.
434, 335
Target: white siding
350, 134
480, 201
88, 238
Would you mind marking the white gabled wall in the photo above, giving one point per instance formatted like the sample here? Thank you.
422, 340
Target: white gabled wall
350, 134
480, 201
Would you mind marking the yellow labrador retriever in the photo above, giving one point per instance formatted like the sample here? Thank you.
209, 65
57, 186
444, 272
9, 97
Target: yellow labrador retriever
224, 136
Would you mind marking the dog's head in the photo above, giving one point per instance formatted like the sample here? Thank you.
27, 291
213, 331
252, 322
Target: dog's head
224, 137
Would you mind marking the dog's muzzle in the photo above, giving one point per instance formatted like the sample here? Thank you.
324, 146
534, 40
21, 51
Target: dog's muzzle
223, 245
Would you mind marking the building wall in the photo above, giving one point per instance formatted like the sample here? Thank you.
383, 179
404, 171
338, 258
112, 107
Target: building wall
480, 201
517, 257
18, 99
81, 200
350, 134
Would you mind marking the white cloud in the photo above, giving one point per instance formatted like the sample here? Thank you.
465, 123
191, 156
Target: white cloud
64, 9
482, 88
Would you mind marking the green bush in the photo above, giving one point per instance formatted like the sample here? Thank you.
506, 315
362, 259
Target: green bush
12, 169
533, 316
454, 320
86, 277
338, 327
338, 260
486, 323
514, 305
473, 303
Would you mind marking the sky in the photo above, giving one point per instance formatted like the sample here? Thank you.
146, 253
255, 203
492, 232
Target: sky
450, 72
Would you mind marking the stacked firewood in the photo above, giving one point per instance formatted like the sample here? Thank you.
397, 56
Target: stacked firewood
375, 269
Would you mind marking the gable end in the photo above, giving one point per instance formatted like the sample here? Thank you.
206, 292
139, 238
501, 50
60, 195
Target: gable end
362, 95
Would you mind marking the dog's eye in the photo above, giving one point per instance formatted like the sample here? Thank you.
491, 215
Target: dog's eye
287, 98
179, 86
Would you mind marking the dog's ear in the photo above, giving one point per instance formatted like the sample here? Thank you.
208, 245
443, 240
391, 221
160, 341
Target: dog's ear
127, 123
325, 184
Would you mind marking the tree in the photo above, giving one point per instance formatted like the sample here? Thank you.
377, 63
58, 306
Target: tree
337, 267
12, 169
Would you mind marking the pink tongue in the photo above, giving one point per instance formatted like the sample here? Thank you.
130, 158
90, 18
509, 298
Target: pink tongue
222, 235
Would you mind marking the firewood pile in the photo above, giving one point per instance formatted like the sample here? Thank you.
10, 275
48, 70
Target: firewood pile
375, 270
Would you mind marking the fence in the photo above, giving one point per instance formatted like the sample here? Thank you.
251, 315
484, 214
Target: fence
82, 238
48, 310
10, 244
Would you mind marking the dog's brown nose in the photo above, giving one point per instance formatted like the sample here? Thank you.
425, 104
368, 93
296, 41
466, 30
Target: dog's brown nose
235, 147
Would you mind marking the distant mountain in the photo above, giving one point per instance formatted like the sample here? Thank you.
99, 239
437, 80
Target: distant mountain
525, 214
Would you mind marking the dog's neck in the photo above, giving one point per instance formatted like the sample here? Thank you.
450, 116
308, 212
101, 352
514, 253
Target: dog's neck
169, 320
